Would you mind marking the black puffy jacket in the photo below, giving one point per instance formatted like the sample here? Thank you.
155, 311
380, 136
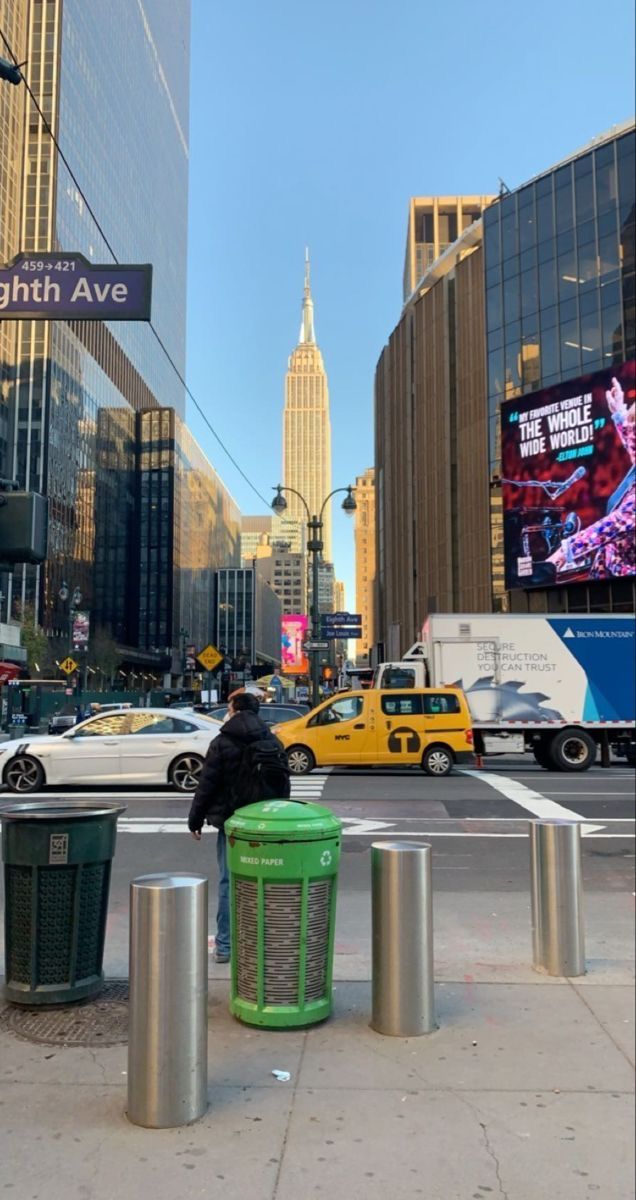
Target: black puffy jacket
214, 800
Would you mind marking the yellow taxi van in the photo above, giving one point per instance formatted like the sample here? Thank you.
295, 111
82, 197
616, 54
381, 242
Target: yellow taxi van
425, 727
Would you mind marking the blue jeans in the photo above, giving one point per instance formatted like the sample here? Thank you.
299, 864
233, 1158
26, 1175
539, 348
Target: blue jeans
223, 910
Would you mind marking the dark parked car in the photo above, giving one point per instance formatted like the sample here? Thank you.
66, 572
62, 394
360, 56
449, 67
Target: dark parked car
66, 718
273, 714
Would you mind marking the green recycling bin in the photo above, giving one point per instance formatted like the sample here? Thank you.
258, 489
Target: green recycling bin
57, 862
283, 858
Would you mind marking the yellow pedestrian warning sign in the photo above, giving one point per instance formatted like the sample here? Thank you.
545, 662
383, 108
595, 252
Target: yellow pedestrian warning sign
210, 658
68, 666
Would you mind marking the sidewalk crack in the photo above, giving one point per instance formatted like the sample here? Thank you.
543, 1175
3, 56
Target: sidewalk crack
98, 1064
491, 1152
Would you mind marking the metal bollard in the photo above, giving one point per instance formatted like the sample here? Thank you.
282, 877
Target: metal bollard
558, 936
168, 1011
402, 939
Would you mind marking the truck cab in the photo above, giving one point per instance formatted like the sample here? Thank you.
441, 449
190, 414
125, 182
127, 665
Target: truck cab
411, 671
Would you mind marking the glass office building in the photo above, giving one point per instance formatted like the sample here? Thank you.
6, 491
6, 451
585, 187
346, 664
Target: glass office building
113, 81
187, 526
560, 303
248, 615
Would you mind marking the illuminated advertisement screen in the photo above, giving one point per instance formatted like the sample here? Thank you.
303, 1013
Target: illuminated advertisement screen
293, 636
568, 480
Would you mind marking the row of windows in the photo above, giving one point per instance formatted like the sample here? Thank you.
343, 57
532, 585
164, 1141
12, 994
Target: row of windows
592, 185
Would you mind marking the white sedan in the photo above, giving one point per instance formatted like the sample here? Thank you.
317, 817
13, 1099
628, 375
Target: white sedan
133, 745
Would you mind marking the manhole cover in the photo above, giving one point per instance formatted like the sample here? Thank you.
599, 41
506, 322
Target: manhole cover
101, 1022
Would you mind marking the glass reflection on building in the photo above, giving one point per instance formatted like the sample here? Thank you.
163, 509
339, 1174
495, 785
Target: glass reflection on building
560, 299
69, 391
189, 526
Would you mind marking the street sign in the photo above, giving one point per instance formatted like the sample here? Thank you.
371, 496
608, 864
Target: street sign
341, 618
210, 657
68, 666
342, 632
309, 646
60, 286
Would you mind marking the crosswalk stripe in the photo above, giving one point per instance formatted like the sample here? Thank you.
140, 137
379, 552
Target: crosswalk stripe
534, 802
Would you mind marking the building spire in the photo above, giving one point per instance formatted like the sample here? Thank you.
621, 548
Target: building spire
307, 333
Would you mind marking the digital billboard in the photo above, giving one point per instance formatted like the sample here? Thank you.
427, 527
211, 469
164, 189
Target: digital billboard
293, 637
569, 480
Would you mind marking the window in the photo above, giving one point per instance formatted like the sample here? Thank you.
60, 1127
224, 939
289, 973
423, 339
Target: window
145, 722
398, 677
402, 706
341, 710
111, 726
441, 702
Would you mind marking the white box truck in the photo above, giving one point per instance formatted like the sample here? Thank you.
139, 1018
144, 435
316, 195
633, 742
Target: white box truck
559, 686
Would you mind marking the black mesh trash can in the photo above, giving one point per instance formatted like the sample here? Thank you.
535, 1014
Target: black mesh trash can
57, 862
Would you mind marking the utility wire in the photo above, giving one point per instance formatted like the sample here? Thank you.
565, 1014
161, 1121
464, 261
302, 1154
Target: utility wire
160, 341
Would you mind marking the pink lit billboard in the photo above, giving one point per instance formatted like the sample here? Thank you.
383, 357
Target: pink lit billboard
293, 636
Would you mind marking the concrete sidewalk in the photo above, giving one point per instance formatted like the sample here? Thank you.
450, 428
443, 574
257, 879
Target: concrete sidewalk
524, 1092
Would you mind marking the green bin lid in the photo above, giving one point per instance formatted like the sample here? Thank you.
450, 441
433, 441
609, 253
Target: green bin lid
283, 820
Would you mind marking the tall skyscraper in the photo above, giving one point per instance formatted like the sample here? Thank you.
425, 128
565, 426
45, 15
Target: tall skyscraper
71, 391
364, 535
306, 424
435, 222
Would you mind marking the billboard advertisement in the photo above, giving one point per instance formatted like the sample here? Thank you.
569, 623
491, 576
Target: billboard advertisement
81, 630
569, 480
293, 637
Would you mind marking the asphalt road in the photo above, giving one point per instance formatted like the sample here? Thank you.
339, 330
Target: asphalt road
476, 822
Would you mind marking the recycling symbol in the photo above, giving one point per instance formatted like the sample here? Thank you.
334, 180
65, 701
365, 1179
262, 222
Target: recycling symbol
325, 858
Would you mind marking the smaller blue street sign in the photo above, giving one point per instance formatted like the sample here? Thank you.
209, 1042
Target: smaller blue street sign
337, 632
341, 618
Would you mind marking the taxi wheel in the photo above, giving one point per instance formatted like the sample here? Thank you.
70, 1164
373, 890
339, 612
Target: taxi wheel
300, 760
24, 774
438, 761
185, 771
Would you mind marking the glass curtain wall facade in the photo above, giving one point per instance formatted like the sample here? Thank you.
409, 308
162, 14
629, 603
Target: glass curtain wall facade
189, 526
112, 80
559, 276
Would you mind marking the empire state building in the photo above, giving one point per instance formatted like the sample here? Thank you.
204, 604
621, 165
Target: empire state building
306, 424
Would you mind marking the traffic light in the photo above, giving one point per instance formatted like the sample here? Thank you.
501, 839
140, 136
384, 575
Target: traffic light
10, 71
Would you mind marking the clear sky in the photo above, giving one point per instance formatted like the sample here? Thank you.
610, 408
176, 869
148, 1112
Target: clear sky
314, 124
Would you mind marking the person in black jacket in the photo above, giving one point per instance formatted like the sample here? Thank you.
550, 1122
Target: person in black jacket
215, 799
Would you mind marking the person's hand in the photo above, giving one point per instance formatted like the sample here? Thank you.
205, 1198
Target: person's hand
196, 834
616, 398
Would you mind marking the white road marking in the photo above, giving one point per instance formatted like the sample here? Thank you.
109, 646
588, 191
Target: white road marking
533, 802
300, 789
584, 795
178, 825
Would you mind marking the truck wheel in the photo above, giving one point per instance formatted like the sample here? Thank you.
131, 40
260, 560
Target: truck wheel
300, 760
437, 761
573, 750
541, 751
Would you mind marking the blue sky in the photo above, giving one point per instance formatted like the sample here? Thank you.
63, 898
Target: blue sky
314, 124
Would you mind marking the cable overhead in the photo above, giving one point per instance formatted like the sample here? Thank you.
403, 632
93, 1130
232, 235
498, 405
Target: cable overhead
111, 251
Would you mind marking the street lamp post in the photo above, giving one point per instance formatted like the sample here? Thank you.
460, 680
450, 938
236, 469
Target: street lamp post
184, 635
315, 546
74, 601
